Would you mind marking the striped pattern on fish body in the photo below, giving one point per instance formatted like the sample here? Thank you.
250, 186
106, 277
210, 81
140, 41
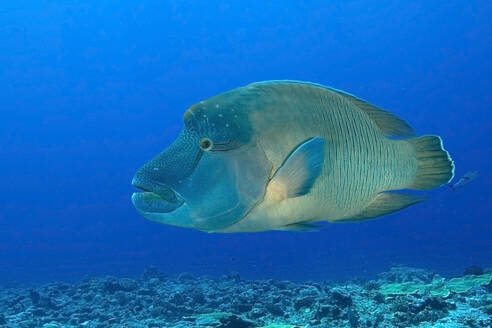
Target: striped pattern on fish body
282, 155
360, 162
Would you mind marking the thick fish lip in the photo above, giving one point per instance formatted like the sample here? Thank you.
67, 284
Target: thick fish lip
150, 202
155, 198
163, 191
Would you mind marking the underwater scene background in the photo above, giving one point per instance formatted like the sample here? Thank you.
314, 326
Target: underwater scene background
90, 91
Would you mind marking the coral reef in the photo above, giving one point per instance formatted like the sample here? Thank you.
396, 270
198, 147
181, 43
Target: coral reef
395, 299
437, 287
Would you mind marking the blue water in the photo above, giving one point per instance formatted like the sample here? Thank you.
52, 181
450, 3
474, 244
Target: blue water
91, 90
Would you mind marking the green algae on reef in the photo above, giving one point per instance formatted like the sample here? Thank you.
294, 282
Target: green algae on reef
438, 286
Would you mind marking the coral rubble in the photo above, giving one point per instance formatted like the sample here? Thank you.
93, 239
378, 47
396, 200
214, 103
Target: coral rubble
401, 297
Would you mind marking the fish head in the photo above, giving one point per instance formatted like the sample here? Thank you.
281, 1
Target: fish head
211, 176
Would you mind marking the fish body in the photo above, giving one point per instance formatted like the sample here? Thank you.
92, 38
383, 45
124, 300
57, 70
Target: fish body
283, 155
464, 180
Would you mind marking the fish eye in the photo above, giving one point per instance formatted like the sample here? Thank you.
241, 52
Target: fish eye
206, 144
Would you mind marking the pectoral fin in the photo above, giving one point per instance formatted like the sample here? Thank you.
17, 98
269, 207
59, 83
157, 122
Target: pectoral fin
386, 203
299, 171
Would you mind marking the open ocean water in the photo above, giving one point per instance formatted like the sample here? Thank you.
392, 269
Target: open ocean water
92, 90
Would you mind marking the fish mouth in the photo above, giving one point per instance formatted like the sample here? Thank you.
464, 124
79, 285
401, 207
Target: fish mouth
149, 202
164, 200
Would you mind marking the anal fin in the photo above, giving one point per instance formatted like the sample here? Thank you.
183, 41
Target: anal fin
386, 203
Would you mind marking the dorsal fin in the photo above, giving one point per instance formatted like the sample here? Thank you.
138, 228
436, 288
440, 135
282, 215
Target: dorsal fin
390, 124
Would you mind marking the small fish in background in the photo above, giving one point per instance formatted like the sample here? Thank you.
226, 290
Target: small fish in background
464, 180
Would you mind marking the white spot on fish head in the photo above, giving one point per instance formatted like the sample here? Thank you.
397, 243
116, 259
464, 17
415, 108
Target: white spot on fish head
220, 115
156, 169
217, 106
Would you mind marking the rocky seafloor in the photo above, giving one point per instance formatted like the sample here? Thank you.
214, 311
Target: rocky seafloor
158, 300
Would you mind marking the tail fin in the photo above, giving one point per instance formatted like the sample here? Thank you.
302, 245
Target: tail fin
435, 166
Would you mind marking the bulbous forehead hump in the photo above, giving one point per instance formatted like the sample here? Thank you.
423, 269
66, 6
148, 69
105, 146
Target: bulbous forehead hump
224, 117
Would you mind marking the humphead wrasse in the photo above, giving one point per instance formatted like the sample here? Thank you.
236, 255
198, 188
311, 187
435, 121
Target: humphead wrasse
282, 155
